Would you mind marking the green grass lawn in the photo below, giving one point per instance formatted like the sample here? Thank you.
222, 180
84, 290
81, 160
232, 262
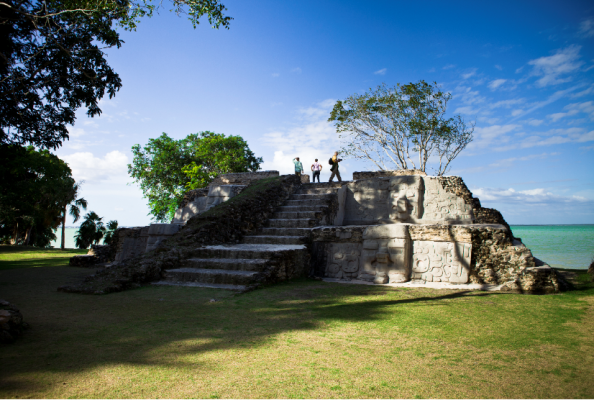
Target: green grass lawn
300, 339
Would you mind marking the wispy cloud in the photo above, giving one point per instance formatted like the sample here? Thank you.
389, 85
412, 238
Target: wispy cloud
490, 135
449, 66
587, 28
469, 74
499, 67
532, 196
496, 83
296, 70
573, 109
275, 74
381, 71
550, 138
554, 69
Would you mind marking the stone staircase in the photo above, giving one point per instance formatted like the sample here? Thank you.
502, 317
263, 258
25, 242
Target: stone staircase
278, 252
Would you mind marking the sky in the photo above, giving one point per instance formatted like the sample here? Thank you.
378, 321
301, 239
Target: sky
522, 71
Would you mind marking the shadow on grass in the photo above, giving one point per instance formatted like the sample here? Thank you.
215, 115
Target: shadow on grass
161, 325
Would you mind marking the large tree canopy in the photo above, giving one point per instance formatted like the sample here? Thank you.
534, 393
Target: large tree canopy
35, 186
166, 168
52, 60
387, 126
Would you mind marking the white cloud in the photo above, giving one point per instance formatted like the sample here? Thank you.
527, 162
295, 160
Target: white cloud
296, 70
498, 67
587, 28
312, 136
534, 122
551, 137
517, 112
539, 196
496, 83
583, 92
551, 68
275, 74
85, 166
573, 109
381, 71
74, 132
509, 162
506, 103
469, 74
494, 134
449, 66
552, 98
466, 110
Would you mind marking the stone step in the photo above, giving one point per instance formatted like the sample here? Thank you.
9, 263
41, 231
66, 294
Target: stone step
306, 207
292, 223
246, 250
240, 288
318, 191
261, 239
298, 196
243, 264
216, 276
285, 232
297, 214
305, 203
324, 185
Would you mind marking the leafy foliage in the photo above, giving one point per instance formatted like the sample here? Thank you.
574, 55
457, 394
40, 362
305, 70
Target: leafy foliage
91, 231
52, 60
35, 186
111, 228
387, 125
165, 168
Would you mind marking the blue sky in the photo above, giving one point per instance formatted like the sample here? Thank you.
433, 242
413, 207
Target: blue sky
524, 71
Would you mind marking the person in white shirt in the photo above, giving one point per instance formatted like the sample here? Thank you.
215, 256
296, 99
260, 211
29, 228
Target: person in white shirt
316, 168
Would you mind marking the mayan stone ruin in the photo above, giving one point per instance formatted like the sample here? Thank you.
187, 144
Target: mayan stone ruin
398, 228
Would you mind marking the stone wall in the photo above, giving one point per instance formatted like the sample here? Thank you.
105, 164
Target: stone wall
191, 195
386, 174
130, 242
458, 254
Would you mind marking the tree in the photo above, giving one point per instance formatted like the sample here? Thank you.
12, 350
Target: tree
75, 205
52, 60
166, 168
90, 232
386, 125
112, 226
34, 186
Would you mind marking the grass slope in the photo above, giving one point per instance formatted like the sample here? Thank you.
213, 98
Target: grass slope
30, 257
294, 340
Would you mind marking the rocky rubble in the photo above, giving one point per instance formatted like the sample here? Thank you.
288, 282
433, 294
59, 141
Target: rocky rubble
11, 322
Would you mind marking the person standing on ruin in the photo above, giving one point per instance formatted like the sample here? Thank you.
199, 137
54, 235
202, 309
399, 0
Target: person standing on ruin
316, 168
298, 166
334, 168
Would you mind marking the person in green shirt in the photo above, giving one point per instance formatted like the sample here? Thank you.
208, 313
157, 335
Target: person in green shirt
298, 166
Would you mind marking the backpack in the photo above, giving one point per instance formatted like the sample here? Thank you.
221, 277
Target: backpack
330, 161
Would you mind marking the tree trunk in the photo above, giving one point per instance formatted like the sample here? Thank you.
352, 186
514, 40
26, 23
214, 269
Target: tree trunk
28, 236
15, 239
63, 241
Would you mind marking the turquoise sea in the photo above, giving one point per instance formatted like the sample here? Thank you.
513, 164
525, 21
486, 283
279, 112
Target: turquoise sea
560, 246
